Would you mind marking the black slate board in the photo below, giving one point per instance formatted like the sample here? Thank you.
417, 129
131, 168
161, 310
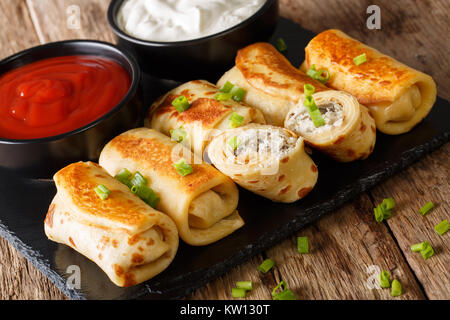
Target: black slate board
24, 203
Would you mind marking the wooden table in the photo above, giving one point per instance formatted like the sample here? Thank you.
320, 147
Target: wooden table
345, 245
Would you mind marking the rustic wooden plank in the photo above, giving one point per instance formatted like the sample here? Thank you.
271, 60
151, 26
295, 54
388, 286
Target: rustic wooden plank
407, 33
19, 279
346, 248
426, 181
56, 19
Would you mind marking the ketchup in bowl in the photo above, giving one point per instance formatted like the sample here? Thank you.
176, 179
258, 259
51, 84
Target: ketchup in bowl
58, 95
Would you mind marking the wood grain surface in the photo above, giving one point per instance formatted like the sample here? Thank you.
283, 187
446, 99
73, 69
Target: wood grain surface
347, 245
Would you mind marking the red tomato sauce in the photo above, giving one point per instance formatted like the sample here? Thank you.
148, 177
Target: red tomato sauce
58, 95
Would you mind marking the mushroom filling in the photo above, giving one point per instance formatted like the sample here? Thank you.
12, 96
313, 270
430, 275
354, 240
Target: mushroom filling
300, 121
273, 143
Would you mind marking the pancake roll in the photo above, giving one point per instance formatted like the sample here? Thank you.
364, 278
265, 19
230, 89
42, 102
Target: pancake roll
398, 97
267, 160
348, 132
126, 238
205, 117
202, 203
273, 85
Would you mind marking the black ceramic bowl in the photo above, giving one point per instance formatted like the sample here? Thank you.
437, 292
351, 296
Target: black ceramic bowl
204, 58
41, 158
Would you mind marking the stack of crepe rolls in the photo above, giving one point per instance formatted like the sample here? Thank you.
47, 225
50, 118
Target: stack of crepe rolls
205, 117
277, 88
398, 97
267, 160
202, 203
273, 85
348, 133
125, 237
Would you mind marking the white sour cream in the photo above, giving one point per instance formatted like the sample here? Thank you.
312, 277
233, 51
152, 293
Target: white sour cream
180, 20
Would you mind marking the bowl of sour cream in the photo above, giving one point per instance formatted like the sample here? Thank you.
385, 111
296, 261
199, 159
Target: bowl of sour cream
190, 39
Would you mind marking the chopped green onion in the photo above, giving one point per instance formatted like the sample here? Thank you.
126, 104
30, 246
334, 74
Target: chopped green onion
138, 180
308, 89
285, 295
236, 120
234, 142
442, 227
282, 285
246, 285
223, 96
418, 246
181, 103
425, 249
134, 189
383, 210
238, 293
302, 245
147, 195
178, 135
318, 74
396, 289
313, 111
427, 207
123, 176
385, 279
281, 45
102, 191
388, 203
227, 87
237, 93
183, 168
266, 265
360, 59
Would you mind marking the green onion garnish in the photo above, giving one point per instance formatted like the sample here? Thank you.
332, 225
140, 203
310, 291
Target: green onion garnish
183, 168
123, 176
147, 195
318, 74
138, 180
223, 96
236, 120
134, 189
313, 111
227, 87
181, 103
102, 191
302, 245
427, 207
238, 293
308, 89
385, 279
281, 285
266, 265
234, 142
383, 210
442, 227
237, 93
246, 285
285, 295
281, 45
178, 135
396, 289
425, 249
360, 59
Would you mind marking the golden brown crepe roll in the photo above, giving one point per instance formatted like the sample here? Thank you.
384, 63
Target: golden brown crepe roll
398, 97
267, 160
205, 117
273, 85
128, 239
348, 133
202, 204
